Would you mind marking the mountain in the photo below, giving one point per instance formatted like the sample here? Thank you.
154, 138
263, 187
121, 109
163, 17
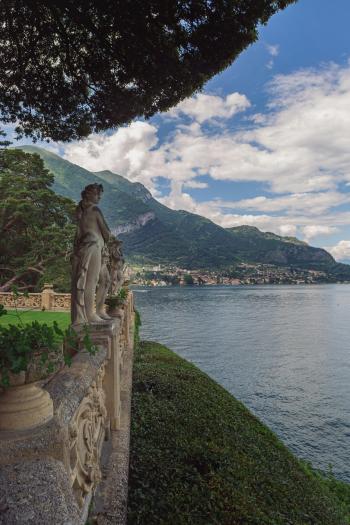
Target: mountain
254, 245
153, 233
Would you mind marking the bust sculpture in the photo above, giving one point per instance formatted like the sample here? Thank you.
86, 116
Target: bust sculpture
90, 259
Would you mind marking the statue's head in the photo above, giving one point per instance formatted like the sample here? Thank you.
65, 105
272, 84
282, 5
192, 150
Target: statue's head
92, 192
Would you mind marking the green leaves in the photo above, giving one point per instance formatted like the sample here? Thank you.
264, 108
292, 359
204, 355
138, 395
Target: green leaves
122, 294
38, 346
36, 225
72, 68
57, 329
117, 300
87, 343
22, 345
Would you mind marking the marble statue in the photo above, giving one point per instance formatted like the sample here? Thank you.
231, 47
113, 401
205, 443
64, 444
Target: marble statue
116, 265
103, 284
90, 259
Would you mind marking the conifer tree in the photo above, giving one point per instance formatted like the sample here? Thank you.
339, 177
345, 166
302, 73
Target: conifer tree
36, 228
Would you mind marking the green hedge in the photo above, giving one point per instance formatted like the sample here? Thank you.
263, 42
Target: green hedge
198, 456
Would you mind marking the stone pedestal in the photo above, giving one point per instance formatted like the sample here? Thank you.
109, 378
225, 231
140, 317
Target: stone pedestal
47, 297
25, 406
108, 335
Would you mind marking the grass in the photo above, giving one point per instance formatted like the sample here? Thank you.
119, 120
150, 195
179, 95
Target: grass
28, 316
199, 457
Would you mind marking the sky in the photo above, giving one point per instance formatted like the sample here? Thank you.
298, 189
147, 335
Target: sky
267, 141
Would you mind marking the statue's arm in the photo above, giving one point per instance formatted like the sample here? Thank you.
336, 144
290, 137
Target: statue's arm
106, 233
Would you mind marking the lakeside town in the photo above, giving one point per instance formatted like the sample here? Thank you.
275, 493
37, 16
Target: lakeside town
241, 274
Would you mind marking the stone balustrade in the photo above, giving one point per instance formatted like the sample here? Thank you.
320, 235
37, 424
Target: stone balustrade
48, 299
49, 472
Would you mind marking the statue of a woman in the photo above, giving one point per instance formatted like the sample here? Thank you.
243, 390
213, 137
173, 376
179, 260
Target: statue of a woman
91, 237
116, 264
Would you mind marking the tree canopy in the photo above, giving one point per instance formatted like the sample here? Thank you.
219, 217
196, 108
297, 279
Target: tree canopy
36, 228
71, 67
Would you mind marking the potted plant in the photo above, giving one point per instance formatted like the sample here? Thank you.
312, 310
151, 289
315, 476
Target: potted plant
33, 349
115, 303
126, 284
29, 355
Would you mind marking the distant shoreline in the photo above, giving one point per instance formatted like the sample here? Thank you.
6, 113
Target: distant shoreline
241, 285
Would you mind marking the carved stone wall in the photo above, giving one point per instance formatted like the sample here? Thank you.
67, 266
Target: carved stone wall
86, 409
61, 301
87, 431
33, 301
46, 300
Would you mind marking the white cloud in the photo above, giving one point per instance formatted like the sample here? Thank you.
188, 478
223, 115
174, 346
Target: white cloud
204, 108
301, 146
313, 230
315, 203
125, 151
298, 148
289, 230
180, 200
195, 184
273, 50
341, 251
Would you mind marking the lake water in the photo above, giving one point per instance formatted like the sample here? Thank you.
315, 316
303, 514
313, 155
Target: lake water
282, 350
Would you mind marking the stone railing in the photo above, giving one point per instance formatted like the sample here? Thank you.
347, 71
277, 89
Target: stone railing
48, 299
49, 472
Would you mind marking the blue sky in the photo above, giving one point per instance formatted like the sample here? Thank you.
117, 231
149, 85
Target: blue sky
267, 141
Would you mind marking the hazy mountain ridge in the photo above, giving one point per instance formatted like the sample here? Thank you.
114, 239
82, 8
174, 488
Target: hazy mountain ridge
153, 233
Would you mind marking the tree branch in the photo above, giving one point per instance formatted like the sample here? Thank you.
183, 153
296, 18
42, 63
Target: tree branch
32, 269
7, 286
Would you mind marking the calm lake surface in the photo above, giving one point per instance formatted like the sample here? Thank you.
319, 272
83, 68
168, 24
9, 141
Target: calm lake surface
282, 350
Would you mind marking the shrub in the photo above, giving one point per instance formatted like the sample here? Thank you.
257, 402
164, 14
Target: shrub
37, 348
117, 300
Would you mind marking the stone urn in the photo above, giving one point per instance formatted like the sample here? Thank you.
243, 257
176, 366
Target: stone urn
115, 311
24, 404
115, 306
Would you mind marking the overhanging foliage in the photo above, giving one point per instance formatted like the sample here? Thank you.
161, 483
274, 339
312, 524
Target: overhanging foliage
76, 66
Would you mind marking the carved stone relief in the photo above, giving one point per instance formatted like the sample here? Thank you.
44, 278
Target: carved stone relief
62, 301
10, 301
86, 434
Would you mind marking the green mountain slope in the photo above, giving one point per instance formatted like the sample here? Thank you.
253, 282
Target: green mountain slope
153, 233
256, 246
118, 205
